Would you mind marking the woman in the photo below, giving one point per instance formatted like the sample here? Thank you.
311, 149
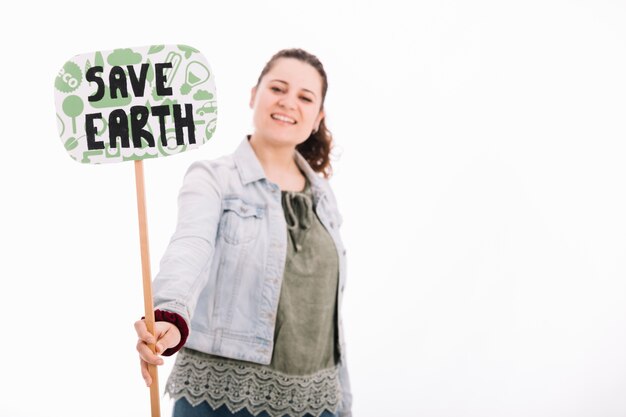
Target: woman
250, 286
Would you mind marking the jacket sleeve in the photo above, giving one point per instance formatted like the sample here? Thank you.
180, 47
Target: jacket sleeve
185, 265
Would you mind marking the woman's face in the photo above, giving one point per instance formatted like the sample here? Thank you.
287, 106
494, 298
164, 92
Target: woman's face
287, 102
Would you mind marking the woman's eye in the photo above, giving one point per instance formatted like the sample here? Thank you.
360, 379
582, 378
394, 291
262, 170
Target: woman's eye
275, 89
306, 99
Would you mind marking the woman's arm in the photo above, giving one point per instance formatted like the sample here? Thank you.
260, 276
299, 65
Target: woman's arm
183, 270
185, 265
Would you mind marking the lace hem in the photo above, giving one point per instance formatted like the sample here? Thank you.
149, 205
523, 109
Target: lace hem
219, 381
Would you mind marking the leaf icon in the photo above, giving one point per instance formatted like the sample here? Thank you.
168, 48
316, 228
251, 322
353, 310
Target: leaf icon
71, 143
155, 48
99, 61
188, 50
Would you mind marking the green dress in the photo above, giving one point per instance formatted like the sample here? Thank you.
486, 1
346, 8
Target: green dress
302, 377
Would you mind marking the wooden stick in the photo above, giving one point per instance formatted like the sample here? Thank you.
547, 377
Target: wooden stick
147, 282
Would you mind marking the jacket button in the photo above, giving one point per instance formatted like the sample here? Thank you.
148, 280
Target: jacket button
332, 225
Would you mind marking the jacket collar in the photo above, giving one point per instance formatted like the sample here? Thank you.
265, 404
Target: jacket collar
250, 168
247, 163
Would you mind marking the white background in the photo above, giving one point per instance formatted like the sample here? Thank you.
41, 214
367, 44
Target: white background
480, 171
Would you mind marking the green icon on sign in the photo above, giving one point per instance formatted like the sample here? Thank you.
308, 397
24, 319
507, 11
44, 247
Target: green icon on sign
73, 107
195, 74
69, 78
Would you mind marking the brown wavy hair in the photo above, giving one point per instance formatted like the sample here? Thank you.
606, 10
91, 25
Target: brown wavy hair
316, 149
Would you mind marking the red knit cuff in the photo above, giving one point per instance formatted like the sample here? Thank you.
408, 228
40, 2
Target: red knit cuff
178, 321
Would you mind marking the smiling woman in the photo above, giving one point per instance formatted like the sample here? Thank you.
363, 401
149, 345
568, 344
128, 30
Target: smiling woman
251, 285
291, 90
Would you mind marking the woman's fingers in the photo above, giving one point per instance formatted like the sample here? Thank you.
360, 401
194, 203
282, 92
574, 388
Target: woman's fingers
166, 336
144, 372
146, 354
143, 333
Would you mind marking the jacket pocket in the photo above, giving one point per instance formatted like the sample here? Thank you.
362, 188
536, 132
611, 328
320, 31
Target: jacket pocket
240, 221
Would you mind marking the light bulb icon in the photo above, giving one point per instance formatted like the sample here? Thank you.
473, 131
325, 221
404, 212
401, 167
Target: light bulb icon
195, 74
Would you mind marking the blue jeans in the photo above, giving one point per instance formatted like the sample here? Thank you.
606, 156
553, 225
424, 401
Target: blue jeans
182, 408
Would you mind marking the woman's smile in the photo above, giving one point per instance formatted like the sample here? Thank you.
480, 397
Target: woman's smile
283, 119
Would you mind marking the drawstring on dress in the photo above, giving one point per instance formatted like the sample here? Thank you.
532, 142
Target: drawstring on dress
298, 207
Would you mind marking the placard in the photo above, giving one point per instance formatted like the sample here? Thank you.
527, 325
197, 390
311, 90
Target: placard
135, 103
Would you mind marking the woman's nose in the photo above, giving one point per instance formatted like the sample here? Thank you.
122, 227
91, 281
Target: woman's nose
287, 102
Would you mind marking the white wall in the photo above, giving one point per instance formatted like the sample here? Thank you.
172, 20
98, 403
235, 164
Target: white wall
481, 178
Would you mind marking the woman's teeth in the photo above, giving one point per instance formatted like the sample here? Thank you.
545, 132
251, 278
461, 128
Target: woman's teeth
283, 118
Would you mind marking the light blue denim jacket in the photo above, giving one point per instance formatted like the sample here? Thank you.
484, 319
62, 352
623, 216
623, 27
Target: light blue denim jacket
223, 268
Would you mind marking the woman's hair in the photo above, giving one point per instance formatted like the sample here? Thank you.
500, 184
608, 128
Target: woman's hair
316, 149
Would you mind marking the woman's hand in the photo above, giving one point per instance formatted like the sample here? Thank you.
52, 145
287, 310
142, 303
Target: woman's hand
166, 335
